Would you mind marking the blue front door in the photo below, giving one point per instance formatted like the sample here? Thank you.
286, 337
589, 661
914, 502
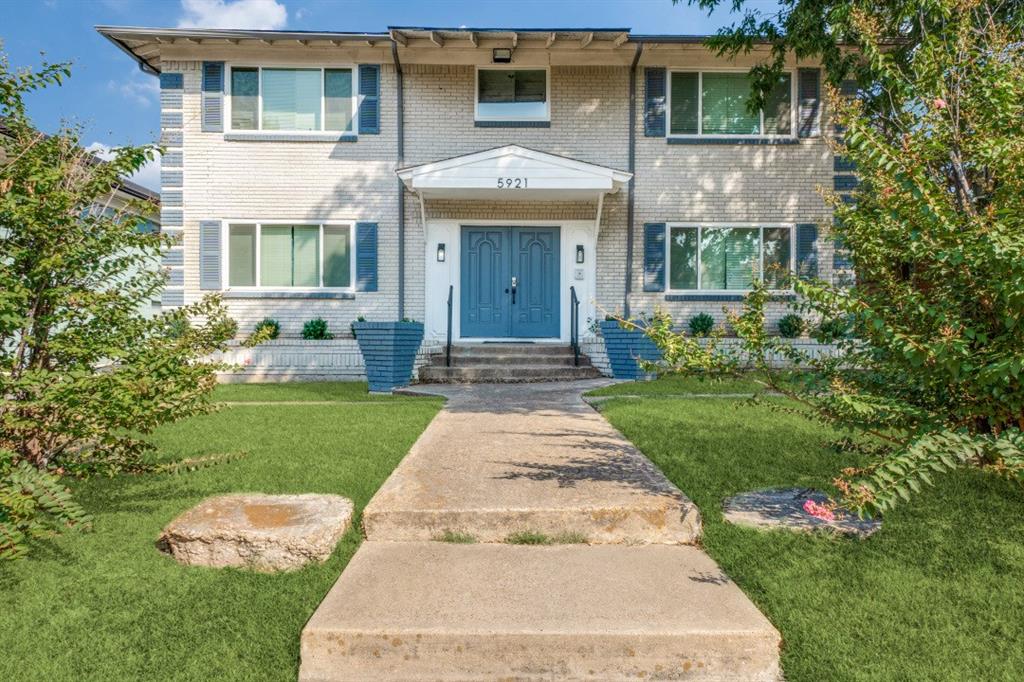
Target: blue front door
510, 282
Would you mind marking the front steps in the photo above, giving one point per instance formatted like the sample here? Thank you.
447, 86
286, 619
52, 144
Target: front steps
507, 363
636, 603
437, 611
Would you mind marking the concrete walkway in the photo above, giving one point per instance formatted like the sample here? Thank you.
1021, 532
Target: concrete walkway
638, 602
512, 458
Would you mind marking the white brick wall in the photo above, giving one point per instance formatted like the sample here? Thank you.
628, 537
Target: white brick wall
589, 121
293, 180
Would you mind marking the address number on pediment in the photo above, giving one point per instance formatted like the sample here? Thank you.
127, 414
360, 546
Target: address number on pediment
512, 183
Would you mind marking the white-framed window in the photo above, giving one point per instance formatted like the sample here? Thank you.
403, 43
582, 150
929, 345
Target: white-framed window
713, 103
728, 257
289, 255
513, 93
287, 99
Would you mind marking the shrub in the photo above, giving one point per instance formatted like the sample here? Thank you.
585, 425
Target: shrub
76, 271
316, 330
701, 324
267, 327
832, 329
791, 326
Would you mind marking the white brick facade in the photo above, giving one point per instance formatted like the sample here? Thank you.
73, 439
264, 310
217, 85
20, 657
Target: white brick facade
223, 179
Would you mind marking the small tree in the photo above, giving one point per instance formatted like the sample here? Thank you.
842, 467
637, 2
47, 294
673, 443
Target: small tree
931, 379
84, 375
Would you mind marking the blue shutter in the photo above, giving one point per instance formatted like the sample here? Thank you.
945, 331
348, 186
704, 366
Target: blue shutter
806, 250
213, 97
369, 99
654, 256
809, 108
654, 101
209, 255
366, 256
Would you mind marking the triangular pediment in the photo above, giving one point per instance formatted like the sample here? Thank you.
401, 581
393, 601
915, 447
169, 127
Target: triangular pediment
512, 172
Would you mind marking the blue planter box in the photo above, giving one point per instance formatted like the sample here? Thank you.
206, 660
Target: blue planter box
389, 352
624, 347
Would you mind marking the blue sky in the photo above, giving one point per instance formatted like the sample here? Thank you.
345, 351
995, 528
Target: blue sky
118, 104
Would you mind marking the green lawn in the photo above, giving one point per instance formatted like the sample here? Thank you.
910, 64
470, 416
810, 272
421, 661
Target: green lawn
936, 595
108, 606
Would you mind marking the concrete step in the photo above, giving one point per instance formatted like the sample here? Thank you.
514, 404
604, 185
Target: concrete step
474, 360
509, 374
493, 463
437, 611
527, 349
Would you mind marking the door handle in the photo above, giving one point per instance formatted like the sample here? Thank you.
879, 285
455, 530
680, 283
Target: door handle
515, 283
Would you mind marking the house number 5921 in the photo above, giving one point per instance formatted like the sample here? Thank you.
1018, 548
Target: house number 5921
512, 183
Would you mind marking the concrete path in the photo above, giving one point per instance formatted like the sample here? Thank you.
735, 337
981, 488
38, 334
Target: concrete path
512, 458
639, 602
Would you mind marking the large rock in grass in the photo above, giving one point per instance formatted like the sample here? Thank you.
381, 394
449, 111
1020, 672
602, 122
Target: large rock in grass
260, 532
784, 508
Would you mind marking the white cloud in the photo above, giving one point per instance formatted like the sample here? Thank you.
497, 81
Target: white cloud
301, 13
138, 88
252, 14
148, 176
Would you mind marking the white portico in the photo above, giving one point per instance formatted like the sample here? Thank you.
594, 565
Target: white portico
509, 278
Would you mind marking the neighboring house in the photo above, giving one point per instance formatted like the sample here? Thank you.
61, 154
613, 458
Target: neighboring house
340, 175
126, 191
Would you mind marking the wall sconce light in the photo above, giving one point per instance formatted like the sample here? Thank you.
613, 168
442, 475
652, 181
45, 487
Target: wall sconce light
501, 55
440, 252
579, 253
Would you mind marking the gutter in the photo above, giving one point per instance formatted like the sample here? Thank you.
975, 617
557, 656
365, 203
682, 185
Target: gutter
144, 65
630, 200
400, 97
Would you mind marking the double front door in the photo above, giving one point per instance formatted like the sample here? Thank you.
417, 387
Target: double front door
510, 282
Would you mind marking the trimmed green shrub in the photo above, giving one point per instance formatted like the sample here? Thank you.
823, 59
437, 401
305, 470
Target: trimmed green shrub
791, 326
273, 329
316, 330
832, 330
701, 324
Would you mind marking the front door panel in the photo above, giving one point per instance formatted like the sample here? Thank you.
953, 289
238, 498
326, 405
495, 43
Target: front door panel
492, 257
485, 277
535, 267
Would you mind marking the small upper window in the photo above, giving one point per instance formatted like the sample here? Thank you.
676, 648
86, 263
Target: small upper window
715, 104
299, 100
512, 94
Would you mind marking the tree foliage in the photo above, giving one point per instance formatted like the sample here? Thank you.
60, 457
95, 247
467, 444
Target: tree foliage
84, 374
931, 377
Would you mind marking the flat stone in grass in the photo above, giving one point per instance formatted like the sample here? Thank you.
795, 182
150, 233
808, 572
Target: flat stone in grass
260, 532
784, 508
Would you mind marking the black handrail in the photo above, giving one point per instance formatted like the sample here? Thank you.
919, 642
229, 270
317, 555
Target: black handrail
448, 342
574, 325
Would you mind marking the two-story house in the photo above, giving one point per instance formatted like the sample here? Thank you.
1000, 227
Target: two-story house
345, 175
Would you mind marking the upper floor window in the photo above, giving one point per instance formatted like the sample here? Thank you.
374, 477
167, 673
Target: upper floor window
285, 256
512, 95
288, 99
714, 104
728, 258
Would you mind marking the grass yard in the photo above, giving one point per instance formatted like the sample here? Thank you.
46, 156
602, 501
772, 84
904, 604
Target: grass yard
107, 605
936, 595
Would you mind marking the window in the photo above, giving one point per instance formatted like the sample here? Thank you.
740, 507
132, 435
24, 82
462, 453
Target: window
728, 258
296, 100
714, 104
280, 256
512, 94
